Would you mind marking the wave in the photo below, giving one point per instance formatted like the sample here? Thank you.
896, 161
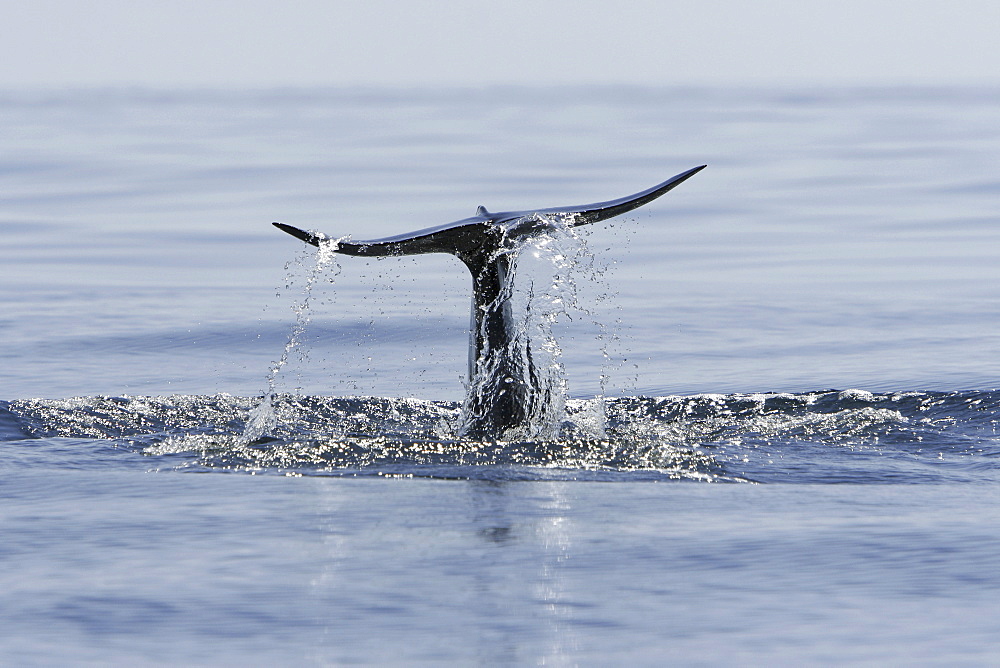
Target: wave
815, 437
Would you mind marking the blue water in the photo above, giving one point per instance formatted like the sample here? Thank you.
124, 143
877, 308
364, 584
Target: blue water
796, 463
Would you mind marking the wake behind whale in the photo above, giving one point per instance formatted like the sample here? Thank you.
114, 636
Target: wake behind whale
814, 437
509, 395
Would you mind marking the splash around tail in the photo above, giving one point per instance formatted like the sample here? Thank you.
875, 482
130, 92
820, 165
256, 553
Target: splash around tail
506, 394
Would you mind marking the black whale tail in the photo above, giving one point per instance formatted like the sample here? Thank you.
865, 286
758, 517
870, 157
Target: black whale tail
504, 391
469, 238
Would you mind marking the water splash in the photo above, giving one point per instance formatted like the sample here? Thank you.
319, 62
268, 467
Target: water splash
542, 287
817, 437
262, 419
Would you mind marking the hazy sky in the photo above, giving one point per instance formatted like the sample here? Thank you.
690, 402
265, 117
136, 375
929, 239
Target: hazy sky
470, 42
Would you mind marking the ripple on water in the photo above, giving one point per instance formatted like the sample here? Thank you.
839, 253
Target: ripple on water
817, 437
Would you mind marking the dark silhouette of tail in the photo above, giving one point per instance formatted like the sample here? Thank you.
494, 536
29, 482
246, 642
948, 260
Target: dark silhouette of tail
503, 391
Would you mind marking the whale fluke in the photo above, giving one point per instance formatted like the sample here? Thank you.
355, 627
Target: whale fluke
461, 237
503, 390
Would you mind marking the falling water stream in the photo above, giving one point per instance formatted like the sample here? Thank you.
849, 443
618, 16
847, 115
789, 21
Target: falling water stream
262, 419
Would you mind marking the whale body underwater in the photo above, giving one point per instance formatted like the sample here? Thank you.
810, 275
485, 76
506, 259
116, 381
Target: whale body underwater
504, 388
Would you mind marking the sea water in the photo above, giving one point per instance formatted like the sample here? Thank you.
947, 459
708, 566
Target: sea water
795, 460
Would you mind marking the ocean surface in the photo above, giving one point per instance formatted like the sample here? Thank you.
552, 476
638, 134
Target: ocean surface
780, 442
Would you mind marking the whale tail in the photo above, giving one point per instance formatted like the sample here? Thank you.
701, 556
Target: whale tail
470, 237
505, 391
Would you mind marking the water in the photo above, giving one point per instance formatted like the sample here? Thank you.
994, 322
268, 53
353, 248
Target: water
797, 462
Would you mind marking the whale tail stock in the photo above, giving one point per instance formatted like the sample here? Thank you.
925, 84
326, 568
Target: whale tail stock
503, 393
